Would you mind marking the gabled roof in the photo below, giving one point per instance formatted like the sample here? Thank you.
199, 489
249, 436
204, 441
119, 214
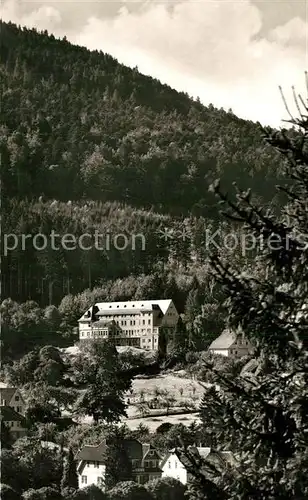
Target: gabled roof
7, 393
90, 453
167, 456
133, 448
224, 341
8, 414
134, 305
150, 453
204, 452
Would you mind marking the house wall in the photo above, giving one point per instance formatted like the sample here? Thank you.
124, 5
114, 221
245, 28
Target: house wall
174, 468
241, 347
91, 471
171, 316
18, 403
16, 429
92, 332
145, 477
222, 352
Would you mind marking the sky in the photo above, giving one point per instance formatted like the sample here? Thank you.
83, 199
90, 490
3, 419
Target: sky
231, 53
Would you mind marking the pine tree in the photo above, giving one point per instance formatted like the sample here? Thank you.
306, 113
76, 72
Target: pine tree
262, 416
69, 477
180, 340
119, 467
192, 310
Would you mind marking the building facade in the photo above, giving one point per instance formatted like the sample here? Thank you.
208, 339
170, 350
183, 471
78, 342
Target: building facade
231, 344
92, 463
11, 396
172, 466
12, 411
145, 460
133, 323
91, 466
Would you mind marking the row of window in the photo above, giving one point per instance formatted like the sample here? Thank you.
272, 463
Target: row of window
149, 340
132, 322
95, 464
84, 480
13, 424
151, 464
104, 333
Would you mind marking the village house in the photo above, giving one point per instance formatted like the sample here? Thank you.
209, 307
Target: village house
172, 466
145, 460
12, 411
231, 344
11, 396
14, 422
133, 323
92, 463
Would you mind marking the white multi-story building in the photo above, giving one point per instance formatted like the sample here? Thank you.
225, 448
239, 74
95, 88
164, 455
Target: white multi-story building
134, 323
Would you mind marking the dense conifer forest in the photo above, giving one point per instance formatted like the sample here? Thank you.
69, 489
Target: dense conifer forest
88, 144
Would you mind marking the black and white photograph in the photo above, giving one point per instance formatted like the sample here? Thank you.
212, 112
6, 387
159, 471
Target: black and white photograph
154, 250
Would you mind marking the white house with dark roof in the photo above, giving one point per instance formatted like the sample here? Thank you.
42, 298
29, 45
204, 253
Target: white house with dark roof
231, 344
132, 323
11, 396
91, 465
172, 466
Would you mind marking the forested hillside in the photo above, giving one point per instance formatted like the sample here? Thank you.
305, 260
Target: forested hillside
77, 124
89, 145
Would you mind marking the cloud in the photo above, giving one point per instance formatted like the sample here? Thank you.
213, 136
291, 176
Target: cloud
209, 49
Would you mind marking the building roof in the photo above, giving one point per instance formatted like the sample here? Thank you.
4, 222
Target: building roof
90, 453
133, 448
204, 452
8, 414
124, 307
224, 341
7, 393
124, 310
